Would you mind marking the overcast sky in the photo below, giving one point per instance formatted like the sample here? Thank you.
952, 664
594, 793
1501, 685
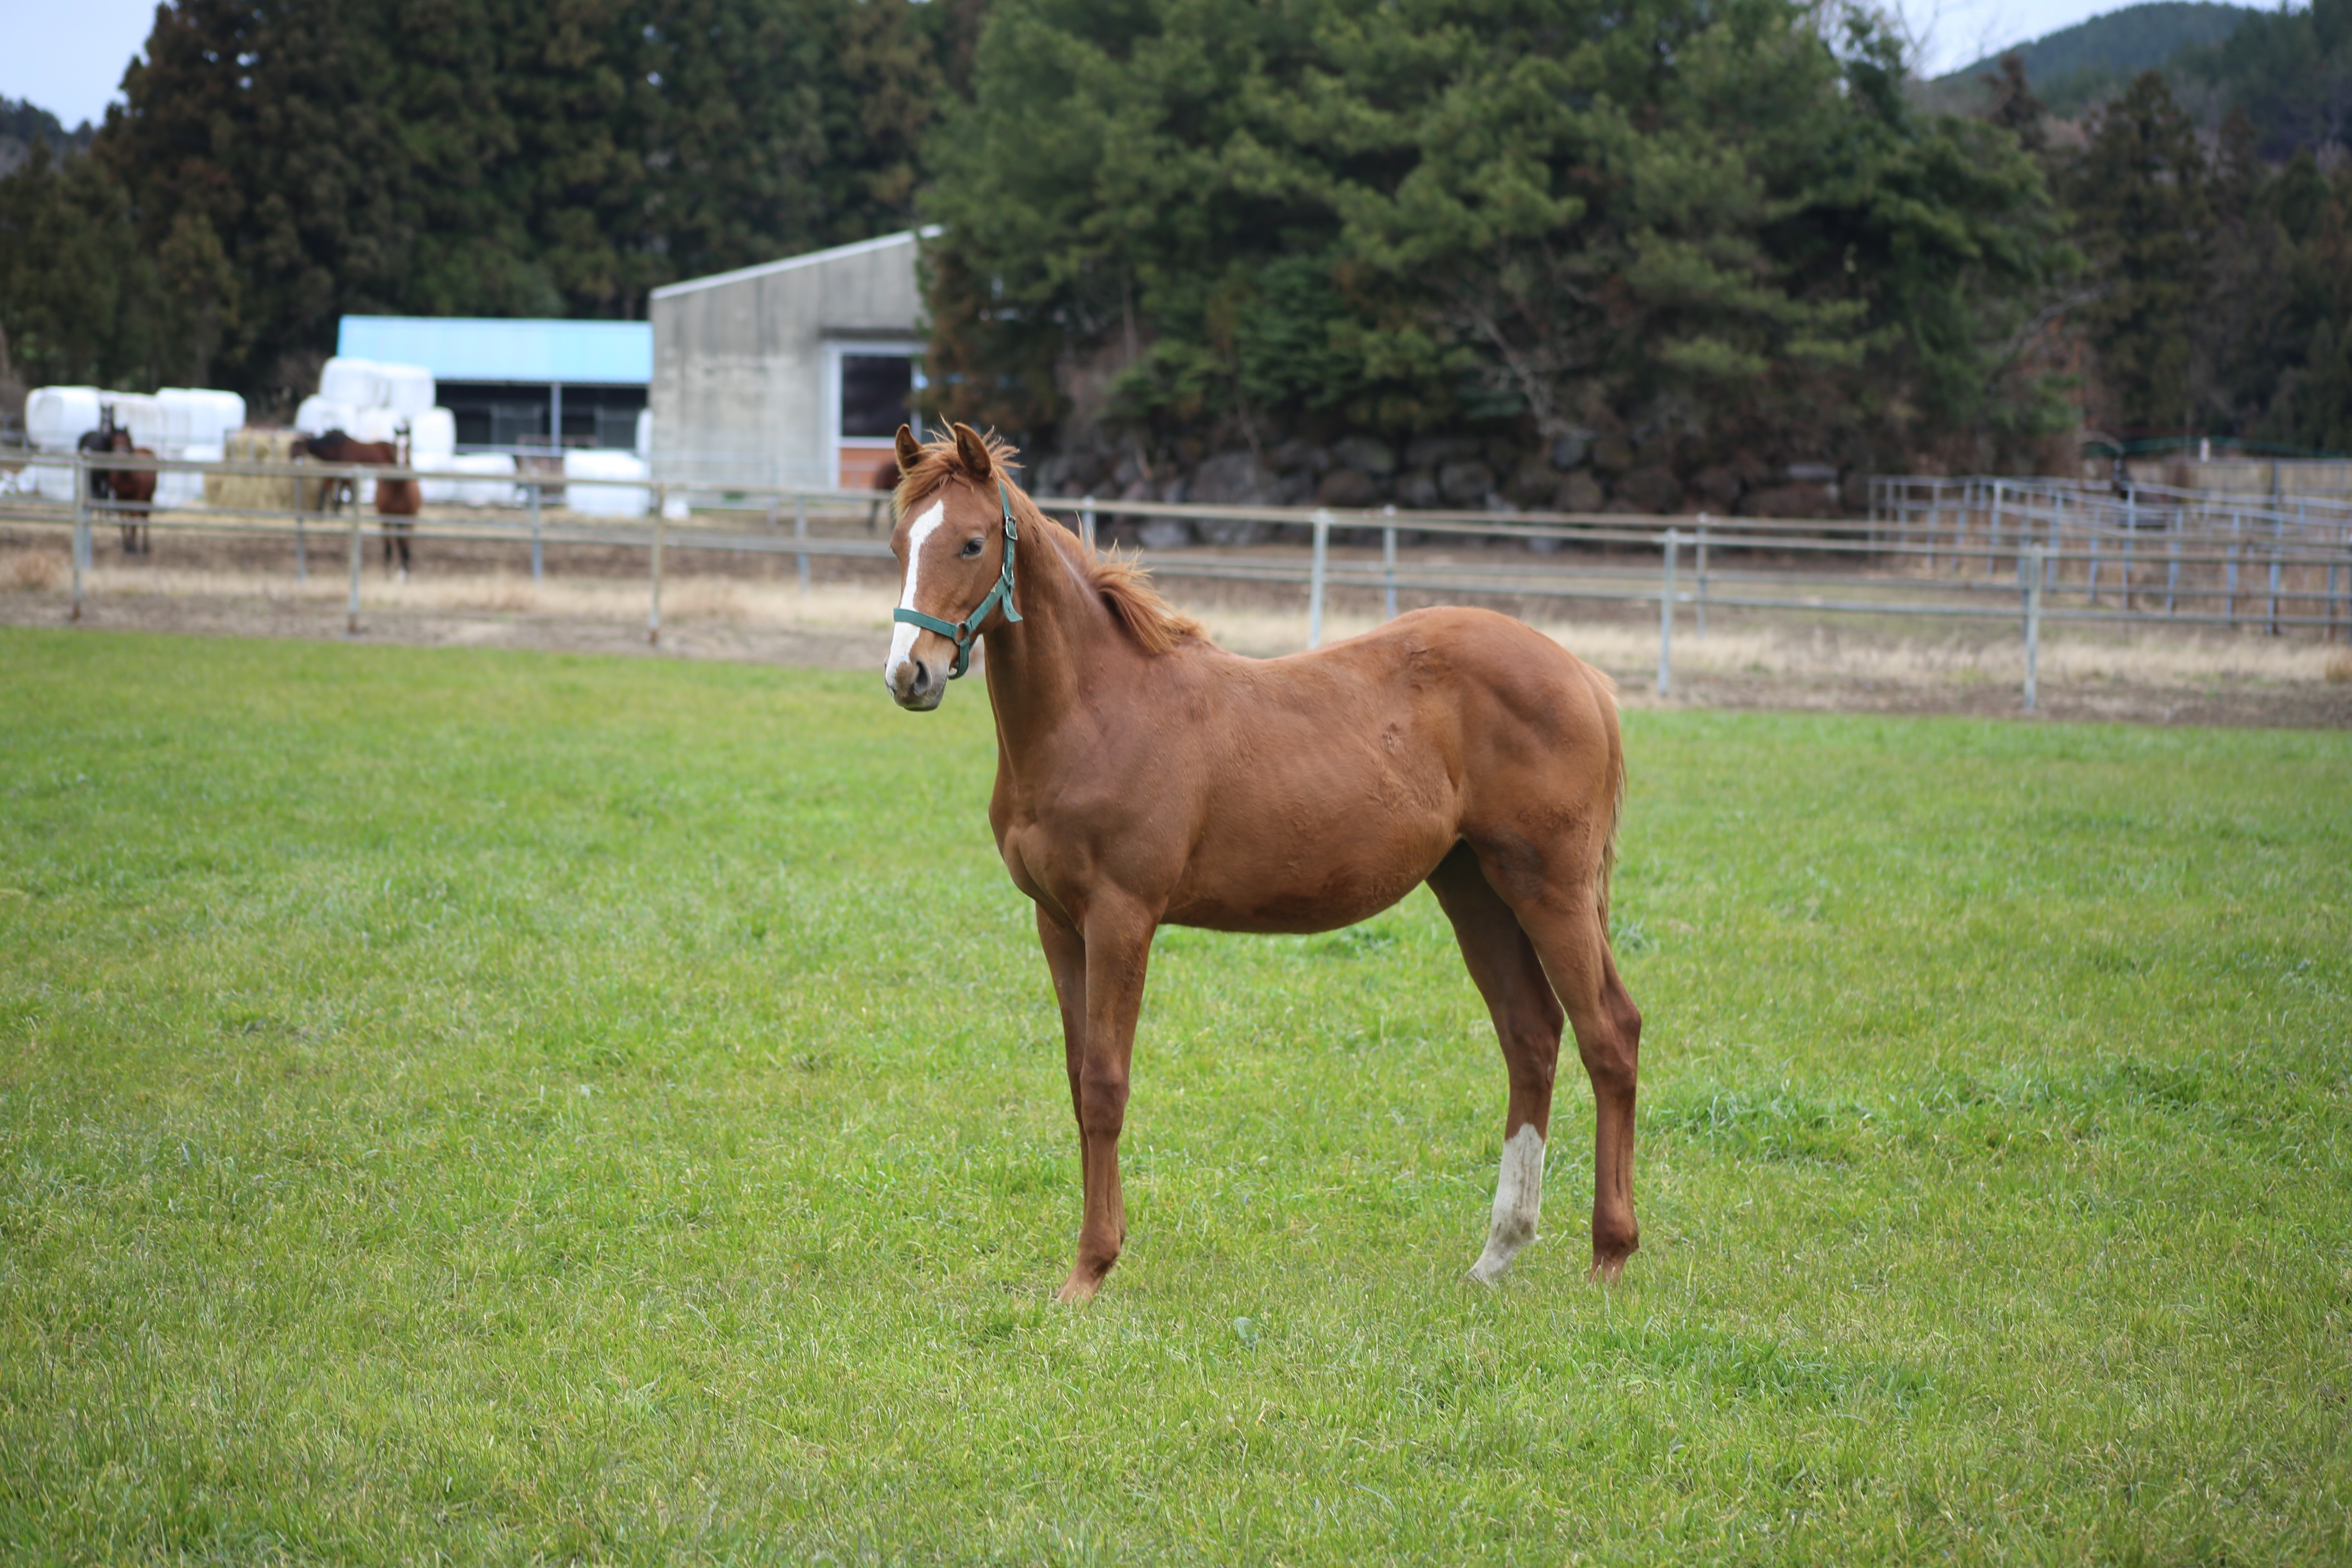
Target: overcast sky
67, 55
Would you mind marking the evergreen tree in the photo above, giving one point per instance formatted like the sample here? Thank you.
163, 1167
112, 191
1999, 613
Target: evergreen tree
1544, 213
77, 300
2142, 205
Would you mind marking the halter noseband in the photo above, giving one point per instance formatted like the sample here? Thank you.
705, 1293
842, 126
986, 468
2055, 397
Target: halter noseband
966, 631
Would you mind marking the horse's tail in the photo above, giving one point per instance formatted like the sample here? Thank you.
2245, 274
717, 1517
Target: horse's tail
1605, 688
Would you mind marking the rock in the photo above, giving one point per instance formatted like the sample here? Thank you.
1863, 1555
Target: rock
1465, 483
1652, 487
1436, 451
1231, 479
1164, 533
1296, 488
1173, 492
1578, 493
1612, 454
1543, 544
1416, 487
1531, 483
1300, 457
1231, 531
1348, 486
1791, 501
1718, 482
1570, 450
1366, 455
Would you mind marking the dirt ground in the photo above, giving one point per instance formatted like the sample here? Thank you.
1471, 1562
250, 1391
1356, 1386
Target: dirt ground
594, 600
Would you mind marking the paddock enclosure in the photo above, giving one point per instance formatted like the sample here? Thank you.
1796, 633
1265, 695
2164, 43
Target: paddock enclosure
1937, 573
499, 1106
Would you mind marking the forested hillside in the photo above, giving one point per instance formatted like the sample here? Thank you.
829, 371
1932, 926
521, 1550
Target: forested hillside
2077, 67
1640, 253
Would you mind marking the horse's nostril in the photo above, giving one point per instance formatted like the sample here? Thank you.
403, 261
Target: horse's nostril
922, 675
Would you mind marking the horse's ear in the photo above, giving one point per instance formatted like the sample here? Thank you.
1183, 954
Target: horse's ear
908, 450
973, 451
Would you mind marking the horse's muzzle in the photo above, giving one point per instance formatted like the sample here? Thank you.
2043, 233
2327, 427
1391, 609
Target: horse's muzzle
916, 685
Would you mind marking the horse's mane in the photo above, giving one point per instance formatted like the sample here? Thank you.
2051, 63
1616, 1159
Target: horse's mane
1124, 586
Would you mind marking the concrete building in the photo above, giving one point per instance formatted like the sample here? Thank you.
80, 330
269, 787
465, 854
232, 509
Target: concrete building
519, 383
796, 373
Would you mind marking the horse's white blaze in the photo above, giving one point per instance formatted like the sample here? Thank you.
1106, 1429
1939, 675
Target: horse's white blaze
1518, 1201
902, 636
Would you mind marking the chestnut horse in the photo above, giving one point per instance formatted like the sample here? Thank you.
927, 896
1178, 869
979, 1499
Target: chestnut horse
1145, 776
396, 500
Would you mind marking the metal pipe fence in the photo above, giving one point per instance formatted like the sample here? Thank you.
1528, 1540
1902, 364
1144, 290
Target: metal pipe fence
1962, 550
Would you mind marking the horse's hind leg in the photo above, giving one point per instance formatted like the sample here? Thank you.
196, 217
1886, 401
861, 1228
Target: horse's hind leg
1572, 938
1510, 977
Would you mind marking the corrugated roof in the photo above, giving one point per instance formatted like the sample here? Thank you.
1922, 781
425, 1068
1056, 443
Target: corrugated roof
470, 348
792, 263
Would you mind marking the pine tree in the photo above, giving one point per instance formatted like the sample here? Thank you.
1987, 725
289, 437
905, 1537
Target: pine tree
2143, 208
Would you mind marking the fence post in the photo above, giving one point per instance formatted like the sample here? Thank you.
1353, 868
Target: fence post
352, 611
1666, 615
1993, 532
2171, 570
1702, 575
1315, 583
537, 565
301, 562
2032, 625
2229, 573
1387, 565
653, 610
2278, 534
800, 535
81, 529
1087, 521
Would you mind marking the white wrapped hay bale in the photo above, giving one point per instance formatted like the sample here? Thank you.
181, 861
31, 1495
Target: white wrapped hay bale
354, 382
375, 425
198, 417
186, 487
56, 416
319, 415
47, 481
607, 499
433, 444
140, 413
497, 488
409, 389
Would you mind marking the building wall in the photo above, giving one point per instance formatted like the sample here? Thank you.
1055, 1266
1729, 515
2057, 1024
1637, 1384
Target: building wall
738, 390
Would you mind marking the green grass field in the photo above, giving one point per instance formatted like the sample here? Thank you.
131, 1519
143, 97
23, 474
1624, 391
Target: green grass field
490, 1107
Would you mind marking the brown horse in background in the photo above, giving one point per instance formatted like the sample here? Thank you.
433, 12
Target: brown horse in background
398, 501
132, 490
1145, 776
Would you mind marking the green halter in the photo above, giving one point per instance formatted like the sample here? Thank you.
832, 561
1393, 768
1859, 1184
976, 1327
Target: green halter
967, 631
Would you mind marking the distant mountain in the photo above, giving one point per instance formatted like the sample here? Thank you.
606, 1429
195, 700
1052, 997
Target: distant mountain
2076, 66
22, 124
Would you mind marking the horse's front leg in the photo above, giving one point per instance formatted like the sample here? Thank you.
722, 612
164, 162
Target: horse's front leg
1116, 949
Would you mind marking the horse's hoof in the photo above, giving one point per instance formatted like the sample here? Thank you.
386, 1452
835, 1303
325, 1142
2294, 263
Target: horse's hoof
1077, 1291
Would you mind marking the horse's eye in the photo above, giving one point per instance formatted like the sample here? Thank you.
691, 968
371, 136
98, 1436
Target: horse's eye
972, 546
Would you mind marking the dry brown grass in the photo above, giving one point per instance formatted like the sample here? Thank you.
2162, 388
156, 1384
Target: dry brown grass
34, 571
2339, 666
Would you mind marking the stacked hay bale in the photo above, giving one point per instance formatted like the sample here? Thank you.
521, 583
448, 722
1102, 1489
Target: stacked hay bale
262, 492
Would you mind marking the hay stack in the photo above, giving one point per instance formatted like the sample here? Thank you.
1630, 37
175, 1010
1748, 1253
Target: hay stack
256, 492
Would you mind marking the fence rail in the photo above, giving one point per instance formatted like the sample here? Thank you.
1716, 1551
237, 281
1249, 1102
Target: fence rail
1962, 548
